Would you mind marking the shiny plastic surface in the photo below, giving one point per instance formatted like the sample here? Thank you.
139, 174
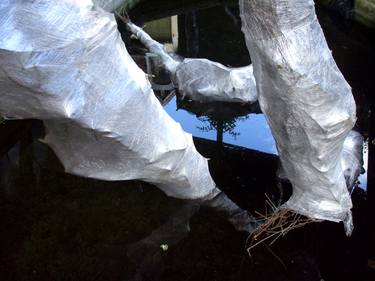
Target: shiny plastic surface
307, 102
202, 79
64, 62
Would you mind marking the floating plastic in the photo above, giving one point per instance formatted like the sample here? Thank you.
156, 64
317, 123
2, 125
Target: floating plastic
205, 80
202, 79
306, 100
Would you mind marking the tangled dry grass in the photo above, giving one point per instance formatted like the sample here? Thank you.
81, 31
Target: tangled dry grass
277, 223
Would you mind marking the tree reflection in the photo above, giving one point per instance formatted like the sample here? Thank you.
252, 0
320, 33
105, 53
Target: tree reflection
220, 126
218, 116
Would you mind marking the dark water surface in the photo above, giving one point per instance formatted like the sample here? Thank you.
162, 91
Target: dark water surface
56, 226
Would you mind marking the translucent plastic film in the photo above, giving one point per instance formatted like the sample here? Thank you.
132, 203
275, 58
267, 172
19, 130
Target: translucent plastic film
64, 62
202, 79
307, 102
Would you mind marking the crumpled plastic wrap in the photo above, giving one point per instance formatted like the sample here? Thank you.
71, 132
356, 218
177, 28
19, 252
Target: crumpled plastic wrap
64, 62
202, 79
306, 100
351, 160
205, 80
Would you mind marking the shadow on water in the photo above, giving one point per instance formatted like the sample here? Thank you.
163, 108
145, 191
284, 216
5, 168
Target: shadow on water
56, 226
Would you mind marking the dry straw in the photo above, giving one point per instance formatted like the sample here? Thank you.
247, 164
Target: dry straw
277, 223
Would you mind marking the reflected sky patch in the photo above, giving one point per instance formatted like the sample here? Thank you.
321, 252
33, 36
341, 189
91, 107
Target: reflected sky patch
251, 131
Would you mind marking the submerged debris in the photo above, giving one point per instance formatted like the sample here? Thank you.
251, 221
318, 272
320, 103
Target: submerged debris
164, 247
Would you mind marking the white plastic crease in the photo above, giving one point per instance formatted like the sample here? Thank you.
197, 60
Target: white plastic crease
202, 79
351, 160
306, 100
205, 80
64, 62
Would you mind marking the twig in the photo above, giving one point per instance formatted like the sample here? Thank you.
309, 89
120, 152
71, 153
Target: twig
125, 19
277, 225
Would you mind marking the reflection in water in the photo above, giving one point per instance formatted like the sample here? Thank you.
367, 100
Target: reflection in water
351, 49
250, 130
86, 218
148, 252
61, 227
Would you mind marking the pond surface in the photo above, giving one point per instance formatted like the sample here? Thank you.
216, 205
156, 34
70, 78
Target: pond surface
249, 131
56, 226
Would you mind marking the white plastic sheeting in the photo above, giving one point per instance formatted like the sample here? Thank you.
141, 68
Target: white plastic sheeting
307, 102
202, 79
64, 62
351, 160
205, 80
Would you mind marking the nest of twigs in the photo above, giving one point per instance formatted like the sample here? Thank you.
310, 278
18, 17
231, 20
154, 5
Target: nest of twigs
277, 224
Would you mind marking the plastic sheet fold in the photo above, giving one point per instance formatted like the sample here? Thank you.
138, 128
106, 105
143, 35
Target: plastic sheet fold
205, 80
351, 160
306, 100
64, 62
202, 79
